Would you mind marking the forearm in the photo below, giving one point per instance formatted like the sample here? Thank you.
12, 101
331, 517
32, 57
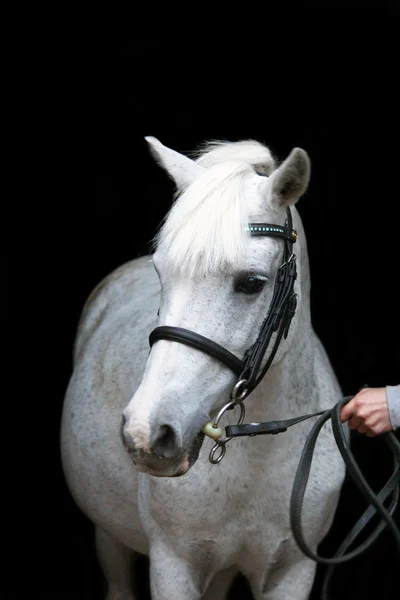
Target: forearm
393, 398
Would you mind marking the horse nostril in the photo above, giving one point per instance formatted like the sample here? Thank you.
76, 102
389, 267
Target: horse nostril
165, 442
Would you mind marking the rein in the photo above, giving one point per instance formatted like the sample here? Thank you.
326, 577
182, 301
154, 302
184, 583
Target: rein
375, 501
277, 321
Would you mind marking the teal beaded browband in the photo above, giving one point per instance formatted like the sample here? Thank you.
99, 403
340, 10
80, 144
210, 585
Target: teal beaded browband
273, 230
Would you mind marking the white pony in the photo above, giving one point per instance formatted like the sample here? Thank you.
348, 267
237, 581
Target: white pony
133, 453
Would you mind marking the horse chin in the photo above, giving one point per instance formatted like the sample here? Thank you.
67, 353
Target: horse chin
184, 468
167, 471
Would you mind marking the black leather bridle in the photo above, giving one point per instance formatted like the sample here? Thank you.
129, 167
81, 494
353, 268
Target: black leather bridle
277, 321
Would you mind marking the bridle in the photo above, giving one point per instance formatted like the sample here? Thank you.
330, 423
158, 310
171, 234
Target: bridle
277, 321
248, 370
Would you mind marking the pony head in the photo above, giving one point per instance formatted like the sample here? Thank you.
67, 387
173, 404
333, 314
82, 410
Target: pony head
216, 280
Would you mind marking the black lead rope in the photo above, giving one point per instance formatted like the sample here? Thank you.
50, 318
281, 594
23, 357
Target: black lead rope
376, 501
301, 479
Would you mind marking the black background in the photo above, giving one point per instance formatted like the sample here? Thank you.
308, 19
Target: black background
325, 81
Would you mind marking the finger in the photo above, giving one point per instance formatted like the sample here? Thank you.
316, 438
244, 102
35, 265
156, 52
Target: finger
371, 433
363, 429
347, 411
354, 422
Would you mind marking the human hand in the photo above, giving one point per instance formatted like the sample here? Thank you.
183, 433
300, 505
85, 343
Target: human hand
368, 412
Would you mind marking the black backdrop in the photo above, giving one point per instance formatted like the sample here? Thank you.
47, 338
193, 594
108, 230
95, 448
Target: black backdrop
332, 91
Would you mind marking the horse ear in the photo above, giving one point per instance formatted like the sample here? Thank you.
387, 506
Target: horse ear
290, 180
180, 168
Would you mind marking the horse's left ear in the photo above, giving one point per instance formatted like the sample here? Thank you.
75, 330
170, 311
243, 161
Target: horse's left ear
289, 182
179, 167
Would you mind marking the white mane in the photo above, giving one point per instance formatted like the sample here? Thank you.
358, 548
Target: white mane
249, 151
207, 225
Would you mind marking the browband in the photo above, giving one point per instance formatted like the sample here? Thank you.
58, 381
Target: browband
287, 233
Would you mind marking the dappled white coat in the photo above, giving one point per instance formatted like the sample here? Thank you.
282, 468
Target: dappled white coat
131, 420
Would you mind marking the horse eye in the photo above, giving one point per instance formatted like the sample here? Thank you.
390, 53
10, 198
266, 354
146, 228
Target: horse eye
250, 284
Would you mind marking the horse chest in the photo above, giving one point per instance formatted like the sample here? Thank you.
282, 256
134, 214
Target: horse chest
201, 508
